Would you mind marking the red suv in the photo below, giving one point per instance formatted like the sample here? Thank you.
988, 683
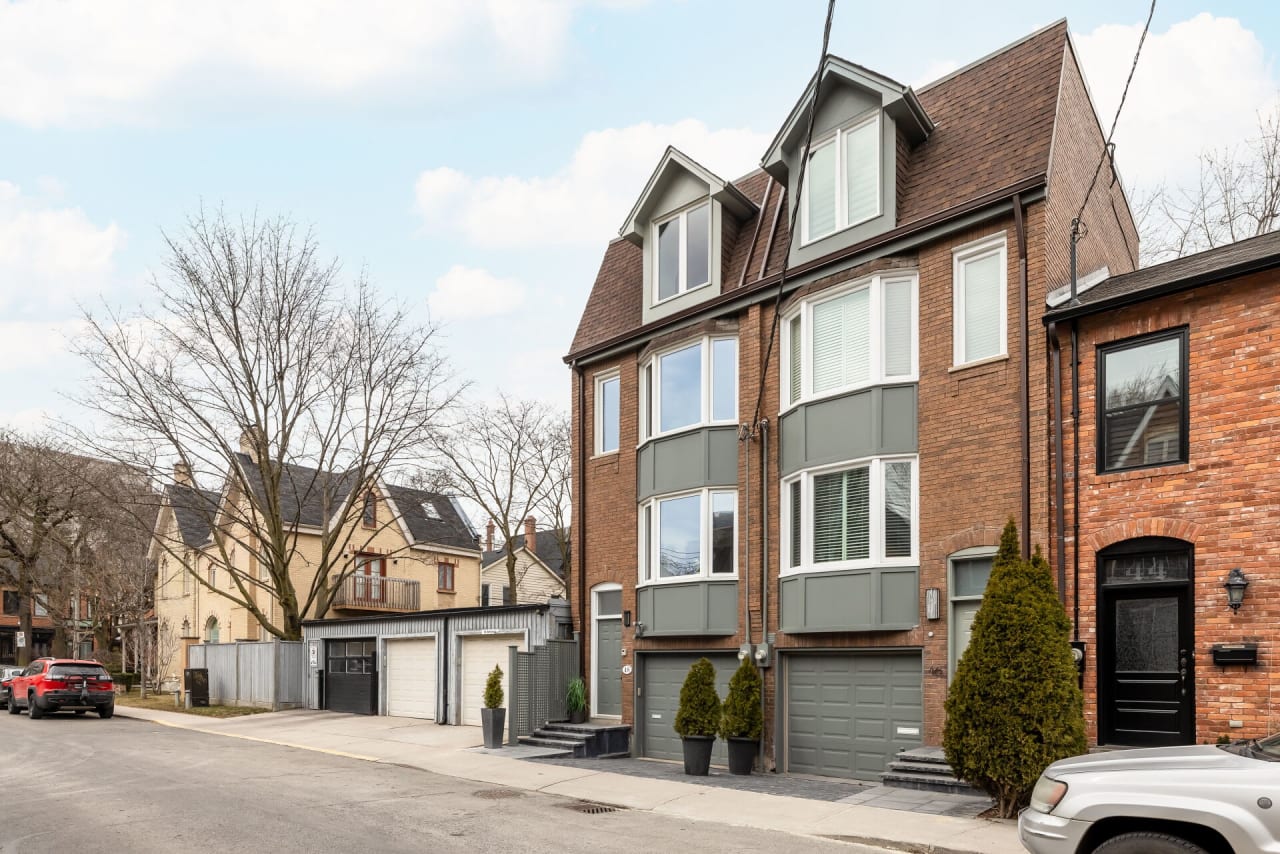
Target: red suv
51, 685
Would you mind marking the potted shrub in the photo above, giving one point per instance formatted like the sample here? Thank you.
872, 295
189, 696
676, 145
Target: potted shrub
493, 715
741, 719
698, 717
576, 701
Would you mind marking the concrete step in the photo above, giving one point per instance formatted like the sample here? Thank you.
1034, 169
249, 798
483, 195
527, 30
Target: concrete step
542, 741
566, 735
931, 769
926, 783
923, 756
585, 740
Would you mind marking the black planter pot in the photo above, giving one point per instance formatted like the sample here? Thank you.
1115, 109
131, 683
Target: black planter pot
742, 754
697, 754
492, 721
578, 717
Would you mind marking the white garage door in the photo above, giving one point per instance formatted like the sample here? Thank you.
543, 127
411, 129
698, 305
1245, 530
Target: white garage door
411, 678
479, 655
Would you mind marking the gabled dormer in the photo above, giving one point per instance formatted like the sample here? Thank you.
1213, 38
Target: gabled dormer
864, 123
680, 222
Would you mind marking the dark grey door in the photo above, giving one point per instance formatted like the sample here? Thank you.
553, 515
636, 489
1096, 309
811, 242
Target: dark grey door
661, 678
847, 715
351, 677
608, 685
1145, 682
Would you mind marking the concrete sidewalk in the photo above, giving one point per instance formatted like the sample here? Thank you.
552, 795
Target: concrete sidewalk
451, 750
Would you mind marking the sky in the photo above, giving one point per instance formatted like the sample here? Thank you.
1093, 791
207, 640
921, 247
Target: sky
474, 157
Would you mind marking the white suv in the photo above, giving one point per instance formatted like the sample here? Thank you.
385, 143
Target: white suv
1165, 800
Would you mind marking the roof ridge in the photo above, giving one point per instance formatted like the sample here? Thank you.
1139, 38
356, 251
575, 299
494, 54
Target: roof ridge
990, 56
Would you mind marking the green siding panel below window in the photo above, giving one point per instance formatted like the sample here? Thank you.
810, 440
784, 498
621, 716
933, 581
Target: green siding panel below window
851, 600
689, 609
870, 422
692, 460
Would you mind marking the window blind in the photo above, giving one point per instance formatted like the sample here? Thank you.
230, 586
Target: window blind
820, 185
796, 343
982, 309
862, 170
842, 341
795, 523
899, 340
841, 516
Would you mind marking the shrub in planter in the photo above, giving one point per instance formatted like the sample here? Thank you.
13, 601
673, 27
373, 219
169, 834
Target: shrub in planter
576, 701
493, 716
1015, 704
698, 717
741, 719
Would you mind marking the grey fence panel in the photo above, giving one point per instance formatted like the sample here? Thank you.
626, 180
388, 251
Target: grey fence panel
541, 686
522, 715
291, 675
563, 670
540, 683
268, 674
196, 657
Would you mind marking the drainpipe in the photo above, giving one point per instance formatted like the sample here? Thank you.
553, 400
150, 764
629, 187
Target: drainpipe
1075, 472
764, 565
581, 544
444, 645
1023, 378
1055, 360
744, 436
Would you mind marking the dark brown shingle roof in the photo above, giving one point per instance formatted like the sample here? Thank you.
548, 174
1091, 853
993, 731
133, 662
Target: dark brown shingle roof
993, 130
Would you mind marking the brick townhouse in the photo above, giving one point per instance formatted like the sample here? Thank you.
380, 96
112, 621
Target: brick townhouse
842, 531
1174, 458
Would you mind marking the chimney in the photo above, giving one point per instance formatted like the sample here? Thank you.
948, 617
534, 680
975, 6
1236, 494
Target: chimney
182, 475
250, 439
530, 536
488, 539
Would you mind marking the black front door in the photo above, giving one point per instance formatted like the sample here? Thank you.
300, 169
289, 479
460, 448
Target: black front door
1146, 686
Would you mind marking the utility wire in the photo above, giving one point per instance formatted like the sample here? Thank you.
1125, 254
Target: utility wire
795, 212
1108, 150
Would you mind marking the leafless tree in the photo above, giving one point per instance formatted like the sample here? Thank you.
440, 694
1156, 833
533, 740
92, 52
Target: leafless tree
1235, 195
262, 374
499, 457
556, 497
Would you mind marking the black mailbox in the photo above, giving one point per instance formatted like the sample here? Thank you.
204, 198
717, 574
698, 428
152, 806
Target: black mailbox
1235, 653
196, 680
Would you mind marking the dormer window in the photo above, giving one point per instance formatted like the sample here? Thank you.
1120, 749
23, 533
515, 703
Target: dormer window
682, 253
842, 183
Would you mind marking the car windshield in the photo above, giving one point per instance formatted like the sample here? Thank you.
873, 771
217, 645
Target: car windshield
1270, 746
64, 670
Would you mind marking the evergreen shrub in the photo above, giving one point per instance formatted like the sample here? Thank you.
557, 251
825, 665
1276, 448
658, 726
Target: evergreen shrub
699, 712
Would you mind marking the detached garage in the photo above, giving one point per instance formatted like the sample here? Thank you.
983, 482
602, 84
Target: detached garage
847, 715
430, 665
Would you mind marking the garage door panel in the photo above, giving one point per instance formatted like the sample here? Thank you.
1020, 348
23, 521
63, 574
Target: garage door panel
411, 678
479, 655
844, 712
663, 676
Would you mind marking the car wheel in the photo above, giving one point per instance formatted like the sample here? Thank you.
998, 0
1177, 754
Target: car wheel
106, 712
1148, 843
33, 708
13, 707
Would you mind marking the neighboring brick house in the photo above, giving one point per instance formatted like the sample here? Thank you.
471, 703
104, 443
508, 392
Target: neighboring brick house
1175, 465
413, 551
539, 570
42, 628
904, 410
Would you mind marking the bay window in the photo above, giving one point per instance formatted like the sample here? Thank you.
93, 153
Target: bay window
682, 254
842, 182
861, 336
689, 536
853, 515
692, 386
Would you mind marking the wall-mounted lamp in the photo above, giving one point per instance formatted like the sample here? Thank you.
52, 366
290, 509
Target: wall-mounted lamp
932, 603
1235, 584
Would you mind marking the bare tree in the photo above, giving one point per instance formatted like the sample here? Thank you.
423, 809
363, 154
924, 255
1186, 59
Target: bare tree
499, 457
1235, 195
327, 388
554, 502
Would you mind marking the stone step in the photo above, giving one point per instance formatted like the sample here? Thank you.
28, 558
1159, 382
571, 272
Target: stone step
923, 755
585, 729
542, 741
927, 783
567, 735
931, 769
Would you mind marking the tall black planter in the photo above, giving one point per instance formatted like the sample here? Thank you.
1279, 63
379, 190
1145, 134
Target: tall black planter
697, 754
491, 721
742, 754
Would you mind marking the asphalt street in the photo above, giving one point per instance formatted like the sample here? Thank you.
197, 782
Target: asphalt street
87, 785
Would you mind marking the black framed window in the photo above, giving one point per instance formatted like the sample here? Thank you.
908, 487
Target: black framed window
11, 603
1142, 394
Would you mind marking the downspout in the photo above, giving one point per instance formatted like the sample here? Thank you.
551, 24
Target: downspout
581, 545
1055, 360
764, 565
1075, 473
744, 436
444, 643
1023, 376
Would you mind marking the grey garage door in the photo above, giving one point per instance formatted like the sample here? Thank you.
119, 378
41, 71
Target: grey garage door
660, 697
847, 715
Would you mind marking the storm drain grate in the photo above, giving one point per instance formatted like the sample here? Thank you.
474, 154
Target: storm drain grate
497, 794
589, 808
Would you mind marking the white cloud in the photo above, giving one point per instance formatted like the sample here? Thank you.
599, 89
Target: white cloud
466, 292
50, 254
1200, 84
29, 345
86, 61
586, 200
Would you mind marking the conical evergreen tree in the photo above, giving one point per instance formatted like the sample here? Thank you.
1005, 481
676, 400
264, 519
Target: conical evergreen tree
1015, 705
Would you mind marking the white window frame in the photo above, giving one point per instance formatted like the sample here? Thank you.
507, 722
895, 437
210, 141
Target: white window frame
651, 397
601, 379
877, 375
953, 599
682, 285
836, 137
876, 520
960, 256
649, 549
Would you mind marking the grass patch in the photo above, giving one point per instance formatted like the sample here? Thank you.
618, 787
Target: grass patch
164, 703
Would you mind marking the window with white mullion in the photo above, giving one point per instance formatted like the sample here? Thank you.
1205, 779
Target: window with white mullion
682, 252
689, 536
691, 386
981, 293
842, 179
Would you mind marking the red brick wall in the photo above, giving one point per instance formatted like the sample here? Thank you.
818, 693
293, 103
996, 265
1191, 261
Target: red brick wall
1225, 500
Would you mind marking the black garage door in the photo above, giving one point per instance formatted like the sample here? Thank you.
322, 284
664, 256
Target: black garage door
351, 676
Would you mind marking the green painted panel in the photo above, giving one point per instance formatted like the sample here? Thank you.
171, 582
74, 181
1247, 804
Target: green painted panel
865, 423
608, 684
692, 460
689, 608
851, 600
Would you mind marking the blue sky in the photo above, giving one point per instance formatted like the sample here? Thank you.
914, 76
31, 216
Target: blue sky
475, 157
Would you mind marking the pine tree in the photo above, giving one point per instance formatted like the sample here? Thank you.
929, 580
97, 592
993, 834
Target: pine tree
741, 716
1015, 704
699, 712
493, 694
